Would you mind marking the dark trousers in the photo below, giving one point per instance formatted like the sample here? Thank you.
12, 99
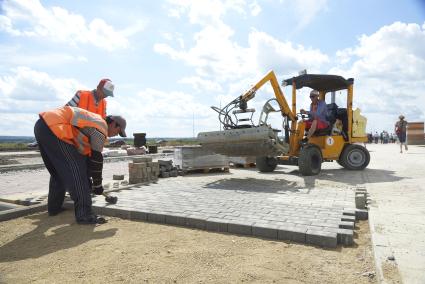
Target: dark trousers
68, 171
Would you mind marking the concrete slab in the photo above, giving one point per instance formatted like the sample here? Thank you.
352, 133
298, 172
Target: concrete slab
396, 186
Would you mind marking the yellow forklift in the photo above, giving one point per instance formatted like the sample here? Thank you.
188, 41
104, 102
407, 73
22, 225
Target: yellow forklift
341, 141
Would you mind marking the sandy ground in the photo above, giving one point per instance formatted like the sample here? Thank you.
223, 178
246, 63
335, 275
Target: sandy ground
44, 249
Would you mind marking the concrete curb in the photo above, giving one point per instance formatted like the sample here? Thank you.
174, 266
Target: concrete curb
22, 211
21, 167
380, 245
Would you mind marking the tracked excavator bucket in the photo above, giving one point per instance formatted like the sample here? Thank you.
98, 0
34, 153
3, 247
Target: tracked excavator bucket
254, 141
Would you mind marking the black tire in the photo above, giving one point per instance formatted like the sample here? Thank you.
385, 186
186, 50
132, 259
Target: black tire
354, 157
266, 164
310, 160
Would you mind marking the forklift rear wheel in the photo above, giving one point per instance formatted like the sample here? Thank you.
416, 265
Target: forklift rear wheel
354, 157
310, 160
266, 164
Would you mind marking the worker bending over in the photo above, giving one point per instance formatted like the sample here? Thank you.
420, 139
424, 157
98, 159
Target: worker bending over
71, 141
317, 115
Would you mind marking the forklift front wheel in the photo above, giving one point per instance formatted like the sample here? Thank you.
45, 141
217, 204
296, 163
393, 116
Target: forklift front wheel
354, 157
310, 160
266, 164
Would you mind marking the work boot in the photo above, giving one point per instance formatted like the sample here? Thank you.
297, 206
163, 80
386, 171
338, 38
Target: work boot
91, 219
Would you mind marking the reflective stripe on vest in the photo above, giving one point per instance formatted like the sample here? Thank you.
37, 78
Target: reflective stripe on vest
66, 121
88, 102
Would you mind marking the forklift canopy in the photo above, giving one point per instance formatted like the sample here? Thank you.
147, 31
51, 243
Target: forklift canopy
326, 83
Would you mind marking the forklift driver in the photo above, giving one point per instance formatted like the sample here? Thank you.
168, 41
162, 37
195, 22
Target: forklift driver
317, 115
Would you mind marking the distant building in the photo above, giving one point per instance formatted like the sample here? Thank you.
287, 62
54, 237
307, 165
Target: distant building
415, 133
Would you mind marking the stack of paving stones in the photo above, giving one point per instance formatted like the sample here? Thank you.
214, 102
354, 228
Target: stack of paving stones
189, 158
244, 204
166, 169
143, 170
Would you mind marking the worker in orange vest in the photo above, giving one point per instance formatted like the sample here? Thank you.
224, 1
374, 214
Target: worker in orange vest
94, 100
71, 140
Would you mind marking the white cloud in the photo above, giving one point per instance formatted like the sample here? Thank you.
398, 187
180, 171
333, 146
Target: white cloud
205, 12
215, 55
200, 84
32, 19
307, 10
27, 91
255, 8
164, 114
17, 55
283, 57
388, 67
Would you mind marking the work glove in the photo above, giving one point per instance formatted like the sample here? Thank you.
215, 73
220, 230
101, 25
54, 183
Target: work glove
97, 187
95, 166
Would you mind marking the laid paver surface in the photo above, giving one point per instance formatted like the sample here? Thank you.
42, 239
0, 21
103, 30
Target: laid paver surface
243, 201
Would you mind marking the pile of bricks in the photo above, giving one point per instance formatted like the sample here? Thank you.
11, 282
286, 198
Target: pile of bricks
143, 170
166, 169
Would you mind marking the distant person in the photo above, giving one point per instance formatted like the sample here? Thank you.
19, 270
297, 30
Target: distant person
94, 100
71, 141
376, 137
317, 115
401, 131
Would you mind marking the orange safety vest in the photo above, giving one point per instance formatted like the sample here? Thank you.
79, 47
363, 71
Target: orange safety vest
66, 121
88, 102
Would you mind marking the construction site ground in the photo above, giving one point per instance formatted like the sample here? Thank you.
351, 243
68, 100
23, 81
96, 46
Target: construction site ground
51, 248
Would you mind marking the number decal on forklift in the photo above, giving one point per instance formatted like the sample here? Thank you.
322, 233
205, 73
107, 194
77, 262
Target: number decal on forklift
330, 141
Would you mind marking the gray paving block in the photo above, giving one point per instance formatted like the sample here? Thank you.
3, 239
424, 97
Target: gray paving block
239, 228
362, 214
264, 231
349, 212
348, 218
216, 224
321, 238
123, 213
360, 201
194, 221
346, 225
179, 220
19, 212
291, 233
139, 215
345, 237
156, 217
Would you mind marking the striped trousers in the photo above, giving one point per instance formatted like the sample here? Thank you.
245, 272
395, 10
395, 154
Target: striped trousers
68, 171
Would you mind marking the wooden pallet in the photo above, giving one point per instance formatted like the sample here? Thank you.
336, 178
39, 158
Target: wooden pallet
206, 170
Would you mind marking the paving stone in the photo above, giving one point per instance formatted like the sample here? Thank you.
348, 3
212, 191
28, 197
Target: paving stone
321, 238
138, 215
216, 224
346, 225
22, 211
348, 218
156, 217
265, 230
194, 221
240, 204
292, 233
362, 214
239, 228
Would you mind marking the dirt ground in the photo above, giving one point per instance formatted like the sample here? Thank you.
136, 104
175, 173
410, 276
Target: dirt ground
44, 249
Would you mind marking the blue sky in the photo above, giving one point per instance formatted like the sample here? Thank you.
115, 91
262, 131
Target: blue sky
171, 60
